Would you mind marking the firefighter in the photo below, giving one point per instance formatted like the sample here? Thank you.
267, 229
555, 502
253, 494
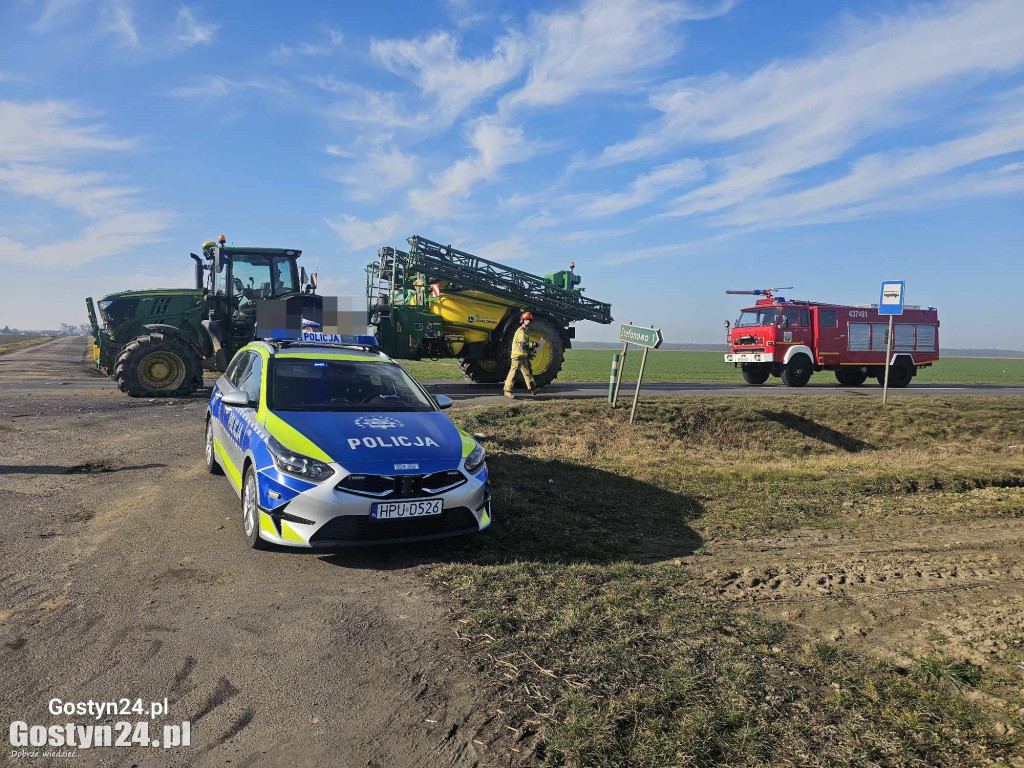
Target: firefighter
522, 350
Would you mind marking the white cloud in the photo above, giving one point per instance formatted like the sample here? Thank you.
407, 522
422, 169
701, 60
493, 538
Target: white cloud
11, 77
359, 234
443, 76
40, 130
107, 237
191, 31
796, 115
215, 87
33, 134
331, 43
509, 249
120, 21
367, 107
647, 187
494, 146
57, 13
384, 170
880, 175
606, 45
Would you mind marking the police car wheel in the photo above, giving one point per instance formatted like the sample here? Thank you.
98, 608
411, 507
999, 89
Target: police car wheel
251, 510
212, 465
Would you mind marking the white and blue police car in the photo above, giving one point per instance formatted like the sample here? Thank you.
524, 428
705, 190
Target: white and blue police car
329, 442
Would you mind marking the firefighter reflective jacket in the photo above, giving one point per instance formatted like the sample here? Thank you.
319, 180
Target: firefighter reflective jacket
521, 343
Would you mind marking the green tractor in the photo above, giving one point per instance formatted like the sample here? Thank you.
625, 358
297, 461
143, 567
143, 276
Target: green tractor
157, 343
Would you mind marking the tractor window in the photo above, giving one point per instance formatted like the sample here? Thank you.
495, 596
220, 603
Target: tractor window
750, 318
262, 277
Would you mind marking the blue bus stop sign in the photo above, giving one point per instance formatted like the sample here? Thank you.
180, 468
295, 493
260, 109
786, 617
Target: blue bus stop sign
891, 300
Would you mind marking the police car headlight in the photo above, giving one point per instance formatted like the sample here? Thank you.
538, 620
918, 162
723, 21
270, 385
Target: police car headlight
292, 463
476, 458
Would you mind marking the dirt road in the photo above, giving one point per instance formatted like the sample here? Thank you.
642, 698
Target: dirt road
124, 573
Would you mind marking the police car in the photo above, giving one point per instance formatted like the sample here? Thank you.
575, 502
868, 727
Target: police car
328, 442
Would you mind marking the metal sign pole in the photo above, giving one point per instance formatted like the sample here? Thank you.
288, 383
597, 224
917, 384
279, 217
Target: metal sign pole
888, 360
636, 395
618, 380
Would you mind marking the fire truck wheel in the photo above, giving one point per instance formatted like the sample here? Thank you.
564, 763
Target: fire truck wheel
900, 375
755, 374
797, 371
851, 377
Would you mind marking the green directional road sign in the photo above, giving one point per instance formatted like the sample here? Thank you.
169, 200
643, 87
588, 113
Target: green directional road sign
642, 337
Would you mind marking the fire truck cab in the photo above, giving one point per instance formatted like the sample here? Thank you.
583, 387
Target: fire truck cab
793, 339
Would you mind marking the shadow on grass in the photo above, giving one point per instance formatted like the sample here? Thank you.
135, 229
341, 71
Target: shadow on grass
585, 515
816, 431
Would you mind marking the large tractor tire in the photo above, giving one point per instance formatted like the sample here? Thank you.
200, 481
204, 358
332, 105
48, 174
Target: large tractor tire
485, 371
851, 377
755, 374
547, 357
156, 365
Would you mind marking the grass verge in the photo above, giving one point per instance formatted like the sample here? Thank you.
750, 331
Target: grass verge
579, 600
671, 365
13, 342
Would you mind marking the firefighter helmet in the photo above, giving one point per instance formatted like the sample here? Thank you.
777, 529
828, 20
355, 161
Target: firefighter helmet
525, 316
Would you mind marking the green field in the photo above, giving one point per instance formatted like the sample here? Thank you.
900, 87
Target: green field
12, 341
595, 365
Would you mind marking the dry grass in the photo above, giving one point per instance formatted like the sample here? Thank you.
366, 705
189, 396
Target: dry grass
579, 601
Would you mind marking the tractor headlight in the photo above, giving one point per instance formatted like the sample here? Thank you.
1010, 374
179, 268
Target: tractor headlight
292, 463
476, 459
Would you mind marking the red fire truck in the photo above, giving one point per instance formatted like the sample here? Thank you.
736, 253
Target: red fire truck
792, 339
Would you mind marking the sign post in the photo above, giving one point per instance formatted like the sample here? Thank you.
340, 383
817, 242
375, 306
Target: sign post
648, 338
890, 303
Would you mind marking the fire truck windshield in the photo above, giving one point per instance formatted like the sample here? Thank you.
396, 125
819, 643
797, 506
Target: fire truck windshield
754, 317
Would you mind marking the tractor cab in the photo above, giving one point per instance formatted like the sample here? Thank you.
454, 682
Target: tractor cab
234, 279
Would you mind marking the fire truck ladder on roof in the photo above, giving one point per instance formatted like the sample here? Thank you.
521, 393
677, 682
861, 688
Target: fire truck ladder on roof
465, 271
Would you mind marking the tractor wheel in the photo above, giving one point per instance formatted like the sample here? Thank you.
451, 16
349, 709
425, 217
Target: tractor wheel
797, 371
157, 366
755, 374
485, 371
851, 377
549, 355
900, 375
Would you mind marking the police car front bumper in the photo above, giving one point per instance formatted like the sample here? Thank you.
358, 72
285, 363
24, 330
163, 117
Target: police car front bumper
326, 517
749, 357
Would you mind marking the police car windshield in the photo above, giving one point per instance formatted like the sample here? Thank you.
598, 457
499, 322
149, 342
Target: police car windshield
299, 384
754, 317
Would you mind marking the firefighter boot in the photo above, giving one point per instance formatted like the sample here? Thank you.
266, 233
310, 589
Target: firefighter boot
509, 395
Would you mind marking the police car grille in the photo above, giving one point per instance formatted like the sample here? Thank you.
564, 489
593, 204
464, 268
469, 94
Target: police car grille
347, 528
401, 486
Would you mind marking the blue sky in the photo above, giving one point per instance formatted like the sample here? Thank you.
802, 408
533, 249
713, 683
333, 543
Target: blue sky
672, 149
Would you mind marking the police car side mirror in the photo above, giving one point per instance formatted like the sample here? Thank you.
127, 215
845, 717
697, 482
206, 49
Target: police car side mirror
443, 401
239, 399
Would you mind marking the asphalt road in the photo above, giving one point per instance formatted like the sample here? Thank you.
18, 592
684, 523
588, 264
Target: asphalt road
124, 573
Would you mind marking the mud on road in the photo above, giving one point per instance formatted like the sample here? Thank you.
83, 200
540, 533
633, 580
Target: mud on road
124, 574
